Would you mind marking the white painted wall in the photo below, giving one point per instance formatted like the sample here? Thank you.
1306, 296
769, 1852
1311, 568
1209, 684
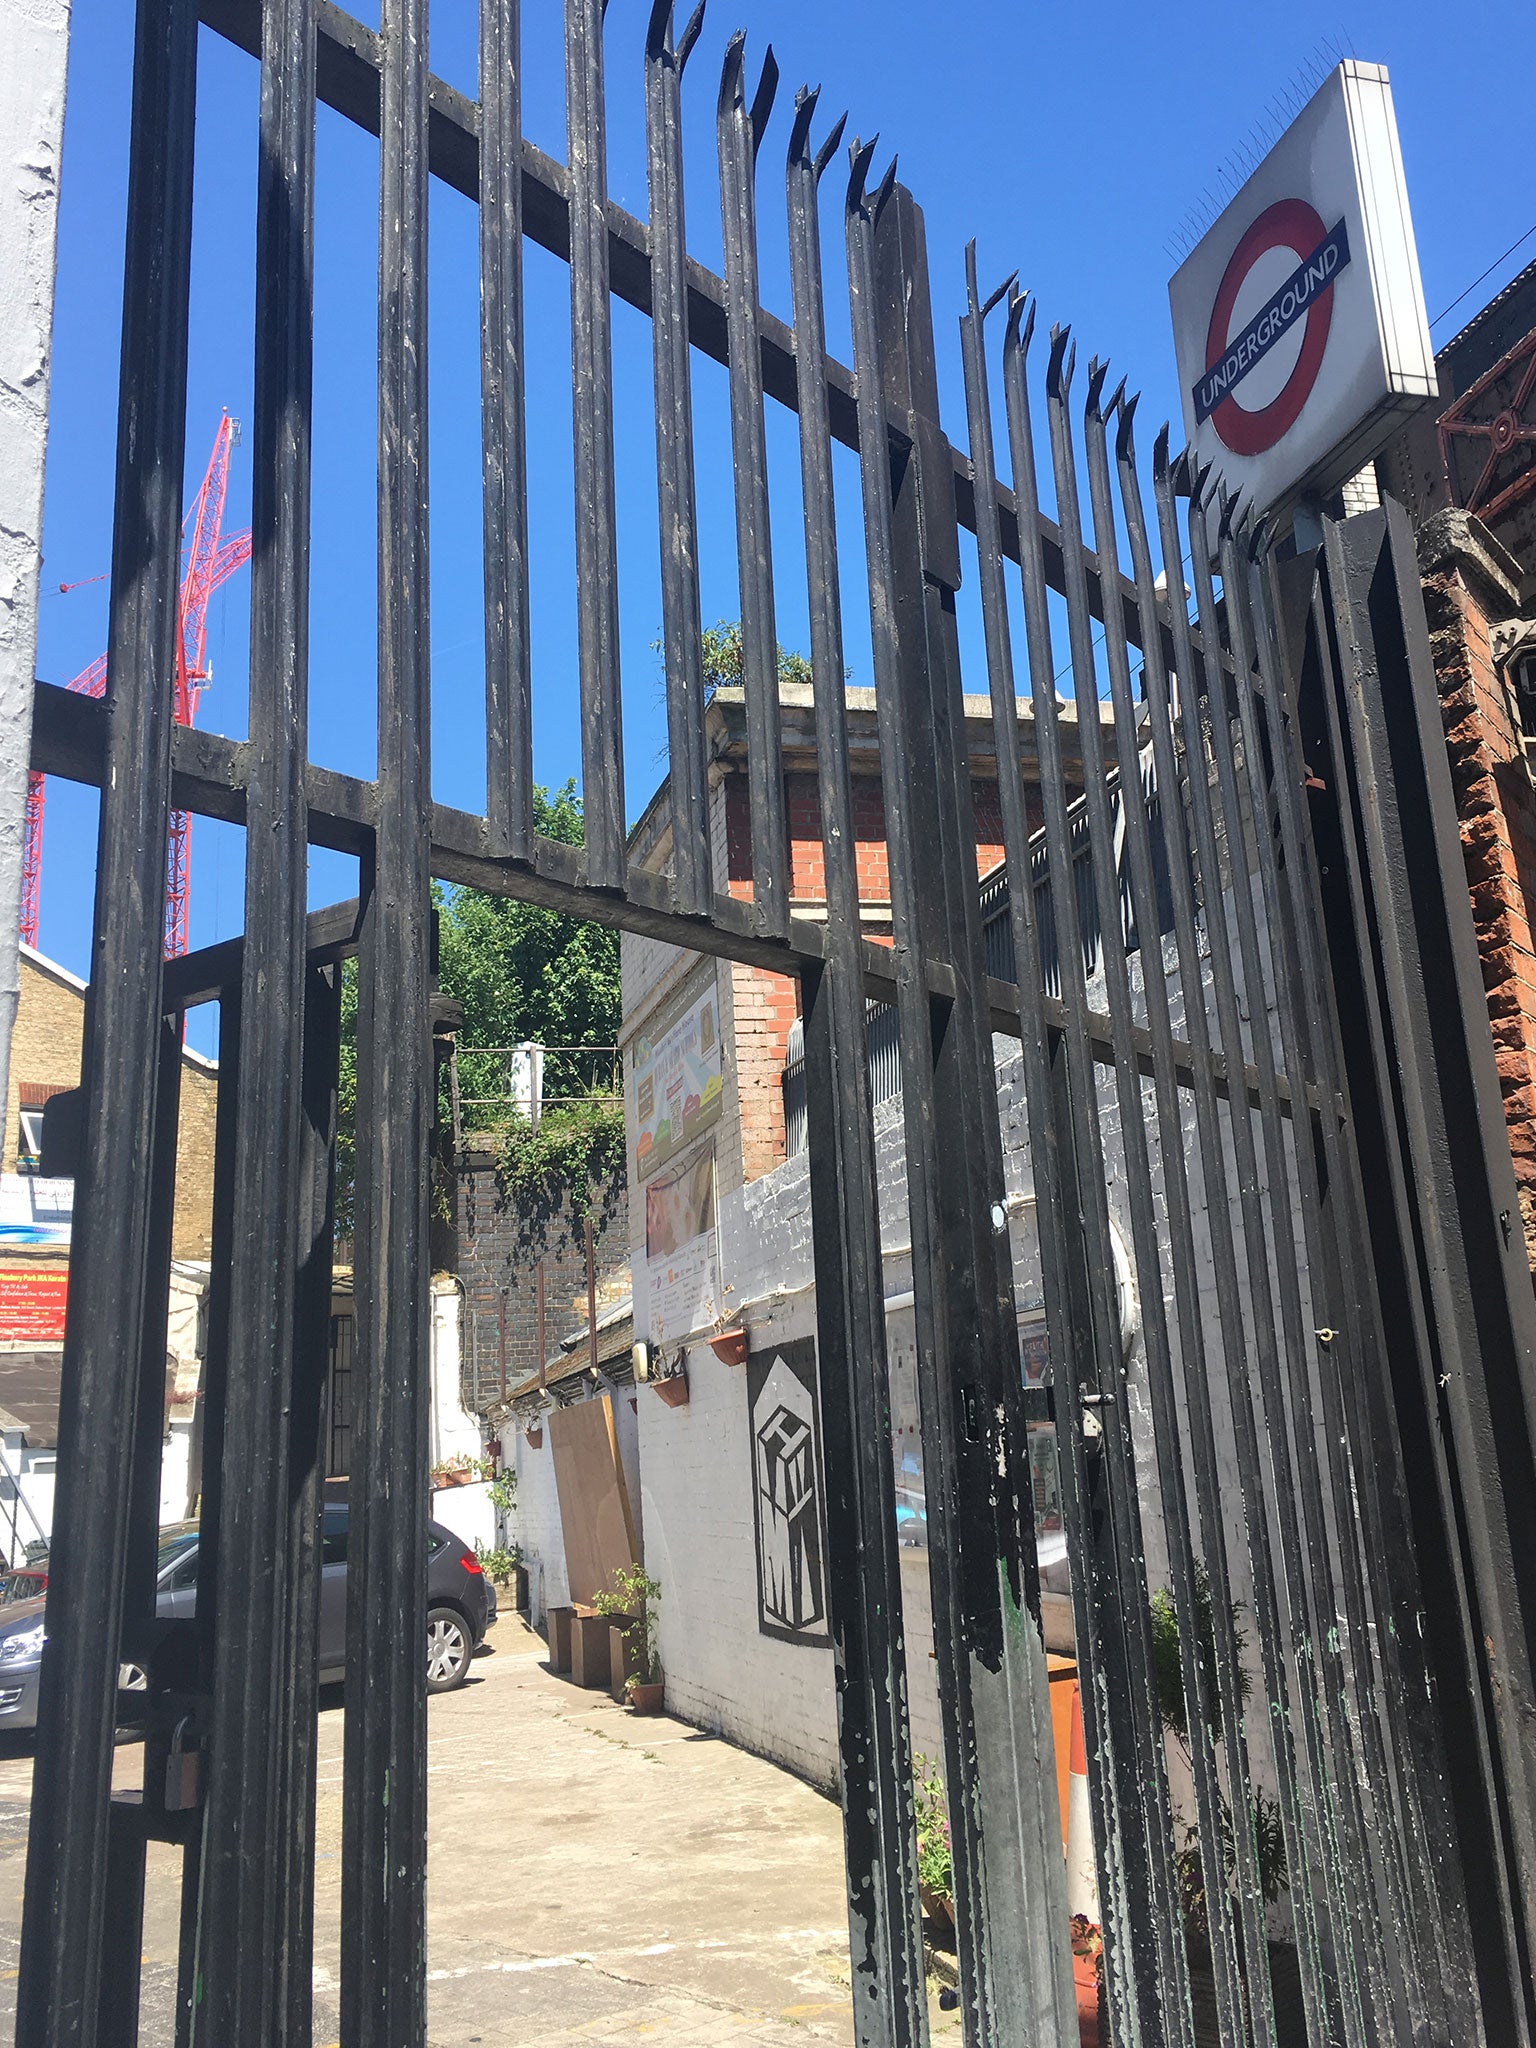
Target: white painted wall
34, 36
535, 1522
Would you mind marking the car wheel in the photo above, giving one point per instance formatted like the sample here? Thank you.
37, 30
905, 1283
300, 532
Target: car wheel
448, 1649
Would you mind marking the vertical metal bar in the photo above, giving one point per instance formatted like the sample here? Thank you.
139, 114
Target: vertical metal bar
383, 1960
60, 1977
306, 1489
247, 1824
874, 1745
850, 1311
1106, 886
739, 133
597, 552
1038, 1819
1367, 1468
1406, 1408
123, 1942
1294, 1786
1203, 1713
1098, 1484
538, 1318
1452, 1130
1282, 1365
508, 679
587, 1234
1373, 1873
983, 1578
680, 620
1201, 872
215, 1392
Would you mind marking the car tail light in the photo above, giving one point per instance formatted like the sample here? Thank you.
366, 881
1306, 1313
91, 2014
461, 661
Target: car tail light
470, 1564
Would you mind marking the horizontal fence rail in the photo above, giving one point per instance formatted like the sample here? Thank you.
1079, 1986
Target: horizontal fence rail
1125, 1083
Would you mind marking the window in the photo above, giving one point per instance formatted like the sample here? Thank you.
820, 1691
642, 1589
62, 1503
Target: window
29, 1142
333, 1541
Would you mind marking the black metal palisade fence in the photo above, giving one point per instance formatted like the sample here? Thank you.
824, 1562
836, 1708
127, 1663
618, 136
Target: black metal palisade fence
1283, 1073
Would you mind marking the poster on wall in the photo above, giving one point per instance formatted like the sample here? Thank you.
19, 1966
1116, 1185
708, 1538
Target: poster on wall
33, 1300
675, 1083
784, 1431
682, 1255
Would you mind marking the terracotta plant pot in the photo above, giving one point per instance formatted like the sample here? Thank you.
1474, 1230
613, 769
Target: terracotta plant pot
730, 1346
673, 1391
936, 1905
445, 1479
1085, 1982
536, 1438
646, 1699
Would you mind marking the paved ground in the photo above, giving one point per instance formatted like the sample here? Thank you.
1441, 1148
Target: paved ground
593, 1878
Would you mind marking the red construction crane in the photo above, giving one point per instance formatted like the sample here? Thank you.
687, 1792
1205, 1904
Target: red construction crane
209, 560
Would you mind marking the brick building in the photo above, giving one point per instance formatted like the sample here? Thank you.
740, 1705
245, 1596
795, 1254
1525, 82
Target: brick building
1466, 469
46, 1046
35, 1224
499, 1280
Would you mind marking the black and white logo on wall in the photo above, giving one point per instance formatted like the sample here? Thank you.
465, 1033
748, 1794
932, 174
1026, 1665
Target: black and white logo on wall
1299, 317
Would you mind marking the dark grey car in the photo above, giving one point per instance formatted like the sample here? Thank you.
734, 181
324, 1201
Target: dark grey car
461, 1605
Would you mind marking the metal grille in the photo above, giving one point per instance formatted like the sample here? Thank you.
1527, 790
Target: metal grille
1304, 1034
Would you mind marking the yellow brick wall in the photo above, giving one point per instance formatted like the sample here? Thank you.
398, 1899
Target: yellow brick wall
45, 1051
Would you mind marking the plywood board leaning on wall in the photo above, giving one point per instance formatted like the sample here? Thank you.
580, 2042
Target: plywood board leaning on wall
595, 1515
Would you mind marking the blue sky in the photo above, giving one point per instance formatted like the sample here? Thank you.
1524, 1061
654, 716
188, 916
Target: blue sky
1071, 141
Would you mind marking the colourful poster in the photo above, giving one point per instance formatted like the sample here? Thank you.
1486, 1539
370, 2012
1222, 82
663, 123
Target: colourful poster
675, 1083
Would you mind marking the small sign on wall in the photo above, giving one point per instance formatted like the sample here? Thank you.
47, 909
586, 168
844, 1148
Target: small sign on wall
784, 1431
33, 1300
682, 1249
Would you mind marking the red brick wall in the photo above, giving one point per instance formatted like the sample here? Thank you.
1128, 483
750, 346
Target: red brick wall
767, 1004
808, 885
1497, 808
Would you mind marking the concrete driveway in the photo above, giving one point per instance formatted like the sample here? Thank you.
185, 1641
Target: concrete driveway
593, 1877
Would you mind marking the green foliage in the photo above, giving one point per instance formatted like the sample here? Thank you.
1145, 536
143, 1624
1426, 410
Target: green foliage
1168, 1673
502, 1491
499, 1564
1168, 1662
346, 1105
554, 1174
525, 972
935, 1863
725, 658
632, 1598
1269, 1851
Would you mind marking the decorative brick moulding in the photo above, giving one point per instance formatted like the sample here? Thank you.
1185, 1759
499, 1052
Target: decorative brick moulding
1470, 583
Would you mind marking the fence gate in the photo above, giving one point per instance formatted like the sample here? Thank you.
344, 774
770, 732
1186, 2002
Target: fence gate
1246, 1018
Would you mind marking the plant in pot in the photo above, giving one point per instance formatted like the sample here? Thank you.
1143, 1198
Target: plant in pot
630, 1601
1268, 1840
459, 1471
728, 1338
935, 1864
497, 1563
669, 1376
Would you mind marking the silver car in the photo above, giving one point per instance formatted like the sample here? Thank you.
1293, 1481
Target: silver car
461, 1605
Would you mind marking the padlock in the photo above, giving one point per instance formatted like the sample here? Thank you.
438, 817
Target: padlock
183, 1771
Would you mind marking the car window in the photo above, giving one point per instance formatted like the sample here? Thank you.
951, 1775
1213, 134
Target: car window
173, 1546
185, 1573
333, 1542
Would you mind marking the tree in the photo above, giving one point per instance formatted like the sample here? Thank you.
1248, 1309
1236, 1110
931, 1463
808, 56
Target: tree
523, 972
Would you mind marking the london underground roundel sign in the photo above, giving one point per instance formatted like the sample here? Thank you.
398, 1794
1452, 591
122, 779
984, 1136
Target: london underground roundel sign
1298, 318
1234, 353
